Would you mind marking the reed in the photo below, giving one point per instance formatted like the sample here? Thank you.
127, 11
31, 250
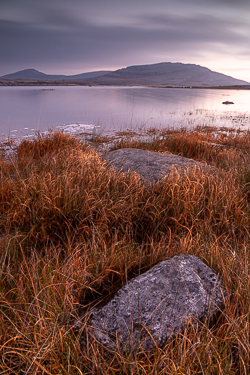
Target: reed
73, 231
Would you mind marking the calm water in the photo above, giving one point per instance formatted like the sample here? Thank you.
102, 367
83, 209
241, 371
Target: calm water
26, 109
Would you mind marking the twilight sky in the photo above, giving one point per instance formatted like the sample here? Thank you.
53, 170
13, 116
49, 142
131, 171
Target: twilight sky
76, 36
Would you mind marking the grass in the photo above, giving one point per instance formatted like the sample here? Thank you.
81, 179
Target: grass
72, 231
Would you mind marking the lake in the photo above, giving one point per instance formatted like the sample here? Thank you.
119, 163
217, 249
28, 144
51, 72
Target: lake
24, 110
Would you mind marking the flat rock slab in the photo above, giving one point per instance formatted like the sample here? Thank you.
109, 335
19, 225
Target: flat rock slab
153, 307
151, 166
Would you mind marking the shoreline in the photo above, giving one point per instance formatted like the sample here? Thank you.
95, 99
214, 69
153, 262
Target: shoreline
11, 83
104, 142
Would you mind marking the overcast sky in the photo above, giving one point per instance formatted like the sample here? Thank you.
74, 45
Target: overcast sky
76, 36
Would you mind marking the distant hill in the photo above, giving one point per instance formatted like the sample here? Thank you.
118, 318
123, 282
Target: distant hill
33, 74
169, 74
173, 74
161, 74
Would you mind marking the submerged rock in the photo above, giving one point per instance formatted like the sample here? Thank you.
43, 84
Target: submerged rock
154, 307
227, 102
151, 166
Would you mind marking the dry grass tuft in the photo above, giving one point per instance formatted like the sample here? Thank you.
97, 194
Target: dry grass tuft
73, 231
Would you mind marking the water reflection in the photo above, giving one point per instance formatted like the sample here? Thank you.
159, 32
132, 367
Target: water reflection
24, 110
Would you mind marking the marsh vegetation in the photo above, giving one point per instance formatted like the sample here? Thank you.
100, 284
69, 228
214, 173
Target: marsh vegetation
73, 231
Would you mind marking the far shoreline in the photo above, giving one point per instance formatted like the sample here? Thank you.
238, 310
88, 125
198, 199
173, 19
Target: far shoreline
12, 83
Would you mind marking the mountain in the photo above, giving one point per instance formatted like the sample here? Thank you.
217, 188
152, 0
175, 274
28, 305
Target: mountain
168, 74
35, 75
161, 74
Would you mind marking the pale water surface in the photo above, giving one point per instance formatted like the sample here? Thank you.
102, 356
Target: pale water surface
24, 110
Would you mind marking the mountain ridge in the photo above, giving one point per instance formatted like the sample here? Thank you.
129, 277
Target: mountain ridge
167, 73
162, 74
32, 73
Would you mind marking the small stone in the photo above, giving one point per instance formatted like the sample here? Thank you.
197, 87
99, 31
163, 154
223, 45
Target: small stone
227, 102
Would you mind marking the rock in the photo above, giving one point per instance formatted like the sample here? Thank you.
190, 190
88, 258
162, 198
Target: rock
159, 303
227, 102
151, 166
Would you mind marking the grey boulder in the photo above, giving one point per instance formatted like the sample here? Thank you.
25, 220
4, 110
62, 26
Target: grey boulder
153, 307
151, 166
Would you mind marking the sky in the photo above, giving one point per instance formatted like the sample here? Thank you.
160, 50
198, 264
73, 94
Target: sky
77, 36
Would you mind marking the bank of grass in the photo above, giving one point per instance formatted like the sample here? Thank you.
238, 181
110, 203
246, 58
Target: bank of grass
73, 231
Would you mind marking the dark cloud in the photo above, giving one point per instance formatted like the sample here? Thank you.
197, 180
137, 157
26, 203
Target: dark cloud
80, 35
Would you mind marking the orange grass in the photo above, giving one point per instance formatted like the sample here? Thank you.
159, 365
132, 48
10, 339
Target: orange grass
73, 231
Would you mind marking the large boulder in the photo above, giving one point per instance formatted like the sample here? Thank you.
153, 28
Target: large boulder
151, 166
154, 307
